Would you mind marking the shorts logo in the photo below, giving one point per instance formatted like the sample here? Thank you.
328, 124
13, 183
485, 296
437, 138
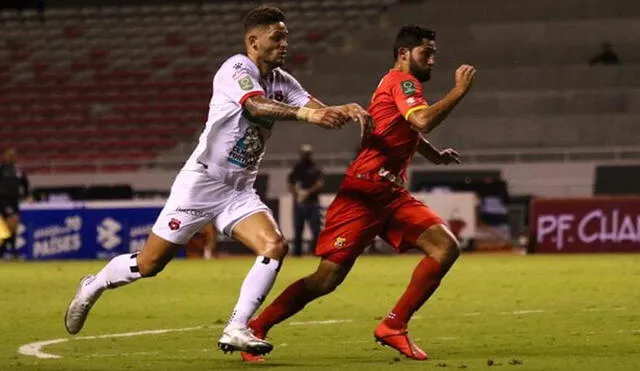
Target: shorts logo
339, 242
408, 87
174, 224
245, 83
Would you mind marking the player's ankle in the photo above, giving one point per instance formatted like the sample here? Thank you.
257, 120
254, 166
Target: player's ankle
394, 323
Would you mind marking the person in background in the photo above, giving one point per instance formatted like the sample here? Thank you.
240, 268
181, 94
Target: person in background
305, 183
14, 185
606, 56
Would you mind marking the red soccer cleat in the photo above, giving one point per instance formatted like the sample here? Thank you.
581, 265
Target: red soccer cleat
247, 357
399, 340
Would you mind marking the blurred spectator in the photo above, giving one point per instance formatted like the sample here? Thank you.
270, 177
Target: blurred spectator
203, 244
606, 56
305, 183
14, 186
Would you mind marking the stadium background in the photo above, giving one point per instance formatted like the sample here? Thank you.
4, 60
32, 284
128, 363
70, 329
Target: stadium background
106, 101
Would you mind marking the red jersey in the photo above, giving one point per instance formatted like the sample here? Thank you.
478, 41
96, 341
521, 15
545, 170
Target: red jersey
393, 142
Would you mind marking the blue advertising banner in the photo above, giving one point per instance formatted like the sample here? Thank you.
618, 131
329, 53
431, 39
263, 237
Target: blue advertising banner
53, 232
85, 230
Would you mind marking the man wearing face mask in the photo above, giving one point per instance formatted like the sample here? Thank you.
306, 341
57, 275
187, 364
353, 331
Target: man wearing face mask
372, 200
305, 183
250, 93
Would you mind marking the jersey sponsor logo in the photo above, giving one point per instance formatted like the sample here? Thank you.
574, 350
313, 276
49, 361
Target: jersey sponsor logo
108, 236
245, 83
194, 212
247, 151
174, 224
408, 87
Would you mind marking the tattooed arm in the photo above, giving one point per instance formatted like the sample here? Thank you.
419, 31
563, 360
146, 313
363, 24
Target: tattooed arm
329, 117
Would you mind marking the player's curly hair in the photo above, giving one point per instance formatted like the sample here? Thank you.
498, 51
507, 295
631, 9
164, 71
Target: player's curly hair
411, 36
263, 15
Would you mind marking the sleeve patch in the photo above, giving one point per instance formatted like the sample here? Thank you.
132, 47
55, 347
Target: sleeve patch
408, 87
245, 83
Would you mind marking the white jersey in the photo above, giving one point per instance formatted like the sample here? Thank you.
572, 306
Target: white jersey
232, 144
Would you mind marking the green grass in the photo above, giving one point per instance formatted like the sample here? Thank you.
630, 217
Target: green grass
549, 312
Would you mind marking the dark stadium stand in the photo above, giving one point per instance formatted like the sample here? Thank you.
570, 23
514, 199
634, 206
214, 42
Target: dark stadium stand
109, 88
116, 85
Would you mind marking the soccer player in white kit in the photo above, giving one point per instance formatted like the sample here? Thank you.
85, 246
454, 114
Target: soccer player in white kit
250, 92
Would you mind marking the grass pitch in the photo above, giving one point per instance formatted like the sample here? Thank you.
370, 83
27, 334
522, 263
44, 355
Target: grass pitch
491, 313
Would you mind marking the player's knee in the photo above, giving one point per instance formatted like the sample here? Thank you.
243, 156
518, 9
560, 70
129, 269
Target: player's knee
322, 285
450, 249
325, 282
275, 247
446, 249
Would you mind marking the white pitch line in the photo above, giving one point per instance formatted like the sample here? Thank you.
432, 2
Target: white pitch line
138, 333
33, 349
529, 311
471, 314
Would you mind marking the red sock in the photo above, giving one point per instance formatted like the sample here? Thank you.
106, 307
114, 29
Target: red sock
424, 281
290, 302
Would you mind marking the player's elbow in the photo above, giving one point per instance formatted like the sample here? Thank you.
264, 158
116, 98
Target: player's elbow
424, 125
255, 106
422, 121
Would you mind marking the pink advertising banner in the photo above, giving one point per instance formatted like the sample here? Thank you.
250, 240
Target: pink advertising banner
580, 225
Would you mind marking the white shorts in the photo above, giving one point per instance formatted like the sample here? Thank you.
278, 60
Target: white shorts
197, 199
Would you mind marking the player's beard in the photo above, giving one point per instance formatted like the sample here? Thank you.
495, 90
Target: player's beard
422, 74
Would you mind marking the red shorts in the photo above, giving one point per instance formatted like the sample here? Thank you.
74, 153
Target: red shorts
364, 209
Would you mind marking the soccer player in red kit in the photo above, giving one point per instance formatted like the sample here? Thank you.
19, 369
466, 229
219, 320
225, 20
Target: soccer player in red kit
372, 200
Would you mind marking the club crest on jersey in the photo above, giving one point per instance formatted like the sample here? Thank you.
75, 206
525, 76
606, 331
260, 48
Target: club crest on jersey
174, 224
339, 242
245, 83
278, 96
408, 87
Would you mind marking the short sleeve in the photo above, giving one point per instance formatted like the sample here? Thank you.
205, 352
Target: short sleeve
238, 79
407, 94
294, 94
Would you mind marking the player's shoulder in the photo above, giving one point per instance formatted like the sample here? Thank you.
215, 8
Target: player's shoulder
396, 76
238, 63
394, 79
283, 75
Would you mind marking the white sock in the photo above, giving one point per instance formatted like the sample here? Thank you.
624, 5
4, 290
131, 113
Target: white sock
254, 290
121, 270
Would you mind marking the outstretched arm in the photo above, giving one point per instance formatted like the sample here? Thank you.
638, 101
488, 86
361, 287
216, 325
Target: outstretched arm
353, 110
260, 106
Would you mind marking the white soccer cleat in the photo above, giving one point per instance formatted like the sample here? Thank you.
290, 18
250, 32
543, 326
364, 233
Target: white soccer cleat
242, 339
79, 307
